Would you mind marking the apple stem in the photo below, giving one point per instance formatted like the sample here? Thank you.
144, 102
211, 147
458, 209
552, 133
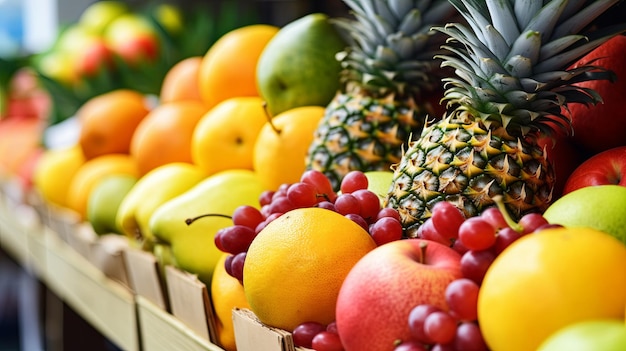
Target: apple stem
423, 246
505, 213
188, 221
270, 118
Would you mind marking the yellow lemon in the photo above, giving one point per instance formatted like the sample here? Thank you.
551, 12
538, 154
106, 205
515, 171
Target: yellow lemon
54, 170
547, 280
295, 266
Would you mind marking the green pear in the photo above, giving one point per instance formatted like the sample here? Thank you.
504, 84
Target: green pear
218, 195
104, 200
297, 67
152, 190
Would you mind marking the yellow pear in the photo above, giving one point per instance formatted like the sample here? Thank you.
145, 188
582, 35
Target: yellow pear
151, 190
192, 245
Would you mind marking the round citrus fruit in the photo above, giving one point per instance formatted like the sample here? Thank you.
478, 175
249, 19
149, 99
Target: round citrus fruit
164, 135
91, 172
108, 121
181, 81
228, 68
295, 266
547, 280
53, 170
226, 294
224, 137
602, 207
282, 145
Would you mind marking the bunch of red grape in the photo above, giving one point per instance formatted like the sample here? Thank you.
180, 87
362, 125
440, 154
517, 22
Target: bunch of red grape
314, 189
317, 336
479, 240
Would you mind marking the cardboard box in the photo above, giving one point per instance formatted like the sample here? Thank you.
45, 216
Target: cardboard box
145, 277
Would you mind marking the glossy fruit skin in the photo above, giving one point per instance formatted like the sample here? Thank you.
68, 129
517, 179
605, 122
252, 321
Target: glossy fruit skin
561, 275
593, 334
606, 167
384, 286
601, 127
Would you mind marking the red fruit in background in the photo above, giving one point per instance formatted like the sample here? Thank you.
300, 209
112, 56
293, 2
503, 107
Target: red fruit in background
380, 291
603, 126
95, 57
607, 167
138, 49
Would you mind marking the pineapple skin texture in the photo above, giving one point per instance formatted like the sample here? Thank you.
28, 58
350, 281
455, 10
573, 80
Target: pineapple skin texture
467, 164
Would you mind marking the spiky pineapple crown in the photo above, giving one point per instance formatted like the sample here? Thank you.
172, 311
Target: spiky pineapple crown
512, 62
391, 45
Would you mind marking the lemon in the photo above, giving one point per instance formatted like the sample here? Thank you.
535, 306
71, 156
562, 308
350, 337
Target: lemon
295, 266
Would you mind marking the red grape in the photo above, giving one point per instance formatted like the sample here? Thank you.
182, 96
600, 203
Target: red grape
411, 346
320, 182
447, 219
266, 197
531, 221
281, 204
458, 247
386, 230
235, 239
388, 212
427, 231
332, 327
440, 327
416, 321
441, 347
369, 204
303, 334
347, 203
327, 205
469, 338
248, 216
462, 299
236, 266
302, 195
353, 181
504, 238
477, 234
358, 220
326, 341
474, 264
494, 217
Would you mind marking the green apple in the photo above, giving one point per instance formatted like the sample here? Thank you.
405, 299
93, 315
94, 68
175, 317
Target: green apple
298, 67
601, 207
104, 201
379, 182
596, 335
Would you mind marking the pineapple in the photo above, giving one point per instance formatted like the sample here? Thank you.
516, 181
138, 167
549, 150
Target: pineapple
389, 78
512, 84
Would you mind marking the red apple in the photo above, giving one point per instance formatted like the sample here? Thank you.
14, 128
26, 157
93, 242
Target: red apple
133, 38
96, 56
601, 127
380, 291
607, 167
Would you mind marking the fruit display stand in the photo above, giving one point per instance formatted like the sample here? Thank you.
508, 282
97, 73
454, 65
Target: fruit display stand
90, 275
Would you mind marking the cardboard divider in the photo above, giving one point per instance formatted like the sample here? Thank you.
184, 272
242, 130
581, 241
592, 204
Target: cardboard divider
145, 278
190, 302
161, 331
107, 254
252, 335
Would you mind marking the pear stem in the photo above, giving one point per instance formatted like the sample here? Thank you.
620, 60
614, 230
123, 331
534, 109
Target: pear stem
188, 221
270, 118
505, 213
423, 246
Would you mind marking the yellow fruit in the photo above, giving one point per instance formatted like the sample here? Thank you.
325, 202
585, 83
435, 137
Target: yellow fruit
224, 137
228, 68
282, 144
297, 263
226, 294
547, 280
91, 172
54, 170
152, 190
108, 121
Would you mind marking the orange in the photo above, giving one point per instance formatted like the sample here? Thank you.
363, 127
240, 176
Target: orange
282, 145
547, 280
108, 121
226, 294
181, 81
295, 266
225, 136
228, 68
91, 172
164, 135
